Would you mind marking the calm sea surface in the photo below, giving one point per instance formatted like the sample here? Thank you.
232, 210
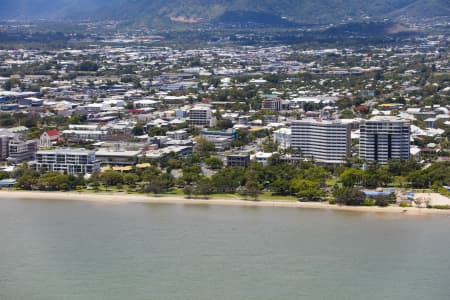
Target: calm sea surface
77, 250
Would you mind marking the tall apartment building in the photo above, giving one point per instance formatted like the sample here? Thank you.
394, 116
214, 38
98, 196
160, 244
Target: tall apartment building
70, 161
384, 138
201, 116
325, 141
20, 150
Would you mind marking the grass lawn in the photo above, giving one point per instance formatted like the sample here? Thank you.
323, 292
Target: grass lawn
270, 197
261, 197
267, 196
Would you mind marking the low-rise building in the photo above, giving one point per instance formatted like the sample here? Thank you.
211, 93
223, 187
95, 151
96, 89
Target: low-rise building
201, 116
119, 157
21, 150
222, 139
163, 152
178, 135
85, 135
271, 103
48, 138
263, 157
238, 160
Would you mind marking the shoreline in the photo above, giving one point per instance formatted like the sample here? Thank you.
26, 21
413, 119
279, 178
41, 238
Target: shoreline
123, 198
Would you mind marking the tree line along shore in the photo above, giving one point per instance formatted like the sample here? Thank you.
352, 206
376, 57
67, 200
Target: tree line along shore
391, 184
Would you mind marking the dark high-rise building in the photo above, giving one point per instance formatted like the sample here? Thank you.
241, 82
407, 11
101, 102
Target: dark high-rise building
384, 138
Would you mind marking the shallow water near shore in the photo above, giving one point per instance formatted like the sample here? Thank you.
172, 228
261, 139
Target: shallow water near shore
86, 250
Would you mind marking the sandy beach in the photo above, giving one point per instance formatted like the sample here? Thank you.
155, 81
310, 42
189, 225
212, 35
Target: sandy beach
123, 198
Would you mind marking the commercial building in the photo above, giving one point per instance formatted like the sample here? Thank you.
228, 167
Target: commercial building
67, 160
185, 151
4, 146
178, 135
180, 114
201, 116
324, 141
384, 138
85, 135
273, 104
229, 133
222, 139
120, 157
20, 150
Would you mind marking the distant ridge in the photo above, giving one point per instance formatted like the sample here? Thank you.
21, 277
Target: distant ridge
51, 9
260, 12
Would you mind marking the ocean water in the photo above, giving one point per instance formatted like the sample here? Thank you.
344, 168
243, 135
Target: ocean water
78, 250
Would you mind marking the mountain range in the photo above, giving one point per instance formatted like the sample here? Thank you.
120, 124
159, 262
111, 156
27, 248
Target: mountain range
272, 12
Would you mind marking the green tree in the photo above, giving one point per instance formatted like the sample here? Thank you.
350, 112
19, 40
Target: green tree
188, 191
307, 190
26, 181
419, 179
158, 182
130, 179
398, 167
150, 173
228, 179
111, 178
251, 187
156, 131
4, 175
203, 147
349, 196
214, 163
280, 186
351, 177
384, 200
155, 186
26, 178
191, 174
224, 124
54, 181
203, 187
376, 176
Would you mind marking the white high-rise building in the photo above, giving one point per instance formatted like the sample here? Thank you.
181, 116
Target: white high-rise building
282, 137
324, 141
384, 138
